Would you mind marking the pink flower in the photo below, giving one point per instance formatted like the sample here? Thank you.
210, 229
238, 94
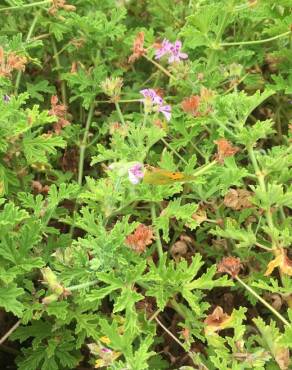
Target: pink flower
136, 173
152, 95
166, 111
163, 49
173, 50
156, 103
175, 53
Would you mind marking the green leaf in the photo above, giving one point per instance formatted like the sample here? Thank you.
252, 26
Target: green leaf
37, 148
37, 89
9, 299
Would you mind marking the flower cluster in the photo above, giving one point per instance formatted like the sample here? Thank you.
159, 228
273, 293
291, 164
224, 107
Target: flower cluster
172, 50
154, 103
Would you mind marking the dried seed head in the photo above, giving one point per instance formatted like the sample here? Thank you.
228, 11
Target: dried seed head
230, 265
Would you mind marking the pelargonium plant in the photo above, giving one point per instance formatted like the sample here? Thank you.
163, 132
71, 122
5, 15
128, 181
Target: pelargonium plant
145, 185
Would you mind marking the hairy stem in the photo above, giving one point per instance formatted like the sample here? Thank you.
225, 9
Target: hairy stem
59, 67
284, 34
30, 32
83, 143
120, 114
261, 181
158, 240
165, 71
82, 286
265, 303
20, 7
173, 151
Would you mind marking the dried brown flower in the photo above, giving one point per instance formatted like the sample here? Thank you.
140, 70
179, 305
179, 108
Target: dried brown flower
237, 199
60, 4
141, 237
69, 161
225, 149
191, 105
230, 265
74, 67
60, 111
10, 63
282, 357
16, 62
138, 48
216, 321
39, 188
199, 216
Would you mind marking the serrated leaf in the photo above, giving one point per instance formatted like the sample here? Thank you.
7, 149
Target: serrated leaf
9, 299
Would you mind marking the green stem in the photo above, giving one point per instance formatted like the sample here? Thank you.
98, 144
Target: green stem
59, 67
173, 151
261, 181
275, 312
224, 127
20, 7
178, 308
263, 247
120, 101
165, 71
30, 31
284, 34
82, 286
158, 241
83, 143
120, 113
218, 37
200, 171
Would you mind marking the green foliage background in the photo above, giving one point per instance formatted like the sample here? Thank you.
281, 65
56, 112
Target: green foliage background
241, 51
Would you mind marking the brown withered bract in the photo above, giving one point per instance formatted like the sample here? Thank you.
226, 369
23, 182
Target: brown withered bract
237, 199
217, 317
191, 105
230, 265
140, 239
10, 63
138, 48
60, 111
69, 161
39, 188
224, 149
60, 4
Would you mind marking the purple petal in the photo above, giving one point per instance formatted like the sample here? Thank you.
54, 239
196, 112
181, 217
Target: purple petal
183, 56
166, 111
6, 98
136, 173
163, 49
